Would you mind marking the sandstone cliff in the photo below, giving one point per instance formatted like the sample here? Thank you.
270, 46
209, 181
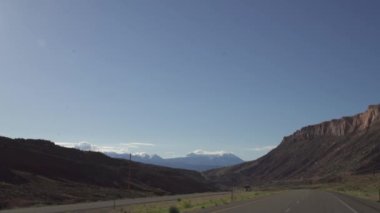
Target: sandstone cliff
343, 126
346, 146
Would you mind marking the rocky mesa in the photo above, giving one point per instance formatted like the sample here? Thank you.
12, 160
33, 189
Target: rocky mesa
343, 126
325, 151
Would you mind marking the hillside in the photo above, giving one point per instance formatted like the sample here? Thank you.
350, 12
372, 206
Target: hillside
40, 172
197, 160
322, 152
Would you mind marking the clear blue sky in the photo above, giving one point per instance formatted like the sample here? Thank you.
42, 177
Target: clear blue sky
184, 75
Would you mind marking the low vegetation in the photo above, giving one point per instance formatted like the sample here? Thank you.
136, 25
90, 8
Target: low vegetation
361, 186
364, 186
192, 204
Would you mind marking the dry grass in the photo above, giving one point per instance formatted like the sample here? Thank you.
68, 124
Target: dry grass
364, 186
190, 204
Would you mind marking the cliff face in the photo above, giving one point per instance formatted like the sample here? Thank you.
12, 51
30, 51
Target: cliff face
346, 146
341, 127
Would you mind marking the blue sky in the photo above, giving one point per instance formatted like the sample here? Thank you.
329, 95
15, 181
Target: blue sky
170, 77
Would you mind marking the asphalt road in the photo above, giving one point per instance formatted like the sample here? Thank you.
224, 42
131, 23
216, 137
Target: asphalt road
84, 207
296, 201
302, 201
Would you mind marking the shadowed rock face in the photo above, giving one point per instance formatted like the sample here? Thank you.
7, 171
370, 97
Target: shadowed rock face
339, 147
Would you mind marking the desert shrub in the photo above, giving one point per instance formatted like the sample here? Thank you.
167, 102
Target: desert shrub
224, 201
186, 204
3, 205
173, 209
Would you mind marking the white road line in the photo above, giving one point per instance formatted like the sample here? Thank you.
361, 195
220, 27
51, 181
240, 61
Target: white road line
345, 204
298, 202
287, 210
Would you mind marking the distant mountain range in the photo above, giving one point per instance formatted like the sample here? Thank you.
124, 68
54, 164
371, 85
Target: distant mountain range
40, 172
327, 151
197, 160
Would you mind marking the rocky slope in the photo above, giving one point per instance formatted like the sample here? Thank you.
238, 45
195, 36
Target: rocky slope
40, 172
326, 151
341, 127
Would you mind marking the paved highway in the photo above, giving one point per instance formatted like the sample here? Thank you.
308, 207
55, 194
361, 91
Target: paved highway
87, 207
302, 201
296, 201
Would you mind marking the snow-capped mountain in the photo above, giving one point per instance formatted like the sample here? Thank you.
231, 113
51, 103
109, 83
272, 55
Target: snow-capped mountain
198, 160
139, 157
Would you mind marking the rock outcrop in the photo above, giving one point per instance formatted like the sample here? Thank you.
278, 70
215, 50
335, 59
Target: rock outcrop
343, 126
346, 146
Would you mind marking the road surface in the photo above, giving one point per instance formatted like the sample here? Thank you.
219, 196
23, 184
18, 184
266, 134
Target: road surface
84, 207
302, 201
296, 201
